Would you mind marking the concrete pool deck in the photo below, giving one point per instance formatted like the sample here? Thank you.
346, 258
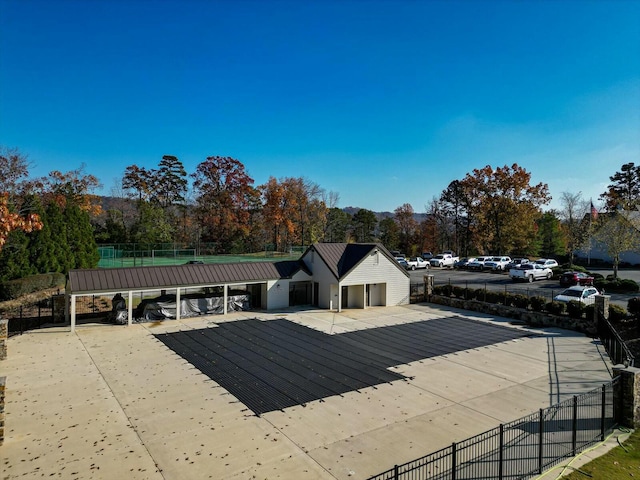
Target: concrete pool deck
112, 401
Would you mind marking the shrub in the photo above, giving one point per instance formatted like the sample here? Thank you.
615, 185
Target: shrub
575, 309
567, 267
520, 301
537, 303
23, 286
617, 313
458, 291
446, 290
438, 289
628, 285
633, 306
492, 296
556, 308
619, 285
597, 276
589, 311
478, 294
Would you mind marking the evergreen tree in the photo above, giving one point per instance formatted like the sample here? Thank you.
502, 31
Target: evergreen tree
551, 238
42, 249
14, 257
80, 237
54, 218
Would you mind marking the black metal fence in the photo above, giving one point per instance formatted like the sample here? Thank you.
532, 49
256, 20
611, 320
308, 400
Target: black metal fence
618, 351
51, 311
520, 449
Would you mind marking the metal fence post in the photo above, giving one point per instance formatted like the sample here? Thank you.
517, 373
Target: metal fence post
540, 442
396, 472
453, 461
603, 411
574, 428
501, 453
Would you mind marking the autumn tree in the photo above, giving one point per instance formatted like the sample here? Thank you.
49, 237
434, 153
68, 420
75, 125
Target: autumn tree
505, 207
389, 233
223, 190
138, 182
276, 211
618, 232
624, 191
404, 217
15, 214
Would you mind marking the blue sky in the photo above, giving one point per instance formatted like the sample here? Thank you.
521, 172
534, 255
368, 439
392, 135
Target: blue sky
383, 102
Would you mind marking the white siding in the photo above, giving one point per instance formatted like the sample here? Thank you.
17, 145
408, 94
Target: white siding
381, 271
277, 294
327, 297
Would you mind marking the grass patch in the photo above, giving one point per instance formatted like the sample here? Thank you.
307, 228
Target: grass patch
621, 462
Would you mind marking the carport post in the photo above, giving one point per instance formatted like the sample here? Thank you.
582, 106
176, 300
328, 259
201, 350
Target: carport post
225, 289
178, 303
130, 308
72, 310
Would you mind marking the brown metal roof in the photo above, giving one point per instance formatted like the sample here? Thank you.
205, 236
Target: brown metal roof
341, 258
161, 277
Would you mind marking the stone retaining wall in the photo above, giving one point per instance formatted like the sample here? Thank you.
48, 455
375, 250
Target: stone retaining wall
4, 335
3, 381
535, 319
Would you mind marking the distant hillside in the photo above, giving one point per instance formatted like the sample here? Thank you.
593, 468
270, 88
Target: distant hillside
114, 202
382, 215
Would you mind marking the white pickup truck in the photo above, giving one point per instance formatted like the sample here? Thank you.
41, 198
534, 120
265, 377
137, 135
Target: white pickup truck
416, 262
528, 272
443, 260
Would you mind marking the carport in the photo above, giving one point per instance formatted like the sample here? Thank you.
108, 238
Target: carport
258, 277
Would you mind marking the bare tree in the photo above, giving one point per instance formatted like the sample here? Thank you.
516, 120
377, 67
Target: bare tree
575, 221
619, 232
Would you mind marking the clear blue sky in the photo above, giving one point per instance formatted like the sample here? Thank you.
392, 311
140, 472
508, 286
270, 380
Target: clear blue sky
383, 102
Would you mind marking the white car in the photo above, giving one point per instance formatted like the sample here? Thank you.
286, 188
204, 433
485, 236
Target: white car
529, 272
497, 264
578, 293
546, 262
478, 263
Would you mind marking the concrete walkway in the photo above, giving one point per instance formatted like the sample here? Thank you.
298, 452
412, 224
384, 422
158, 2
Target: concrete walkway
113, 402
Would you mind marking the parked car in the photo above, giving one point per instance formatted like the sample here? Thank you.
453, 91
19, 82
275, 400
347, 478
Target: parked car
547, 262
516, 262
443, 260
497, 264
417, 262
403, 263
578, 293
530, 272
478, 263
575, 278
400, 258
427, 256
463, 262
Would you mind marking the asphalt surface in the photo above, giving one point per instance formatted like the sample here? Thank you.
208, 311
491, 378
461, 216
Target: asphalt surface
502, 282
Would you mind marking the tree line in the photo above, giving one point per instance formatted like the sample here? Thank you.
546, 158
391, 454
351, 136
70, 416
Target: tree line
55, 223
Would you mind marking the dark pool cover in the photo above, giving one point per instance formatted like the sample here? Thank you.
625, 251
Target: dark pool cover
271, 365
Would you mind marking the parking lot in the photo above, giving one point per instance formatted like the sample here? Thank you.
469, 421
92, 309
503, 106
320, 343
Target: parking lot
501, 281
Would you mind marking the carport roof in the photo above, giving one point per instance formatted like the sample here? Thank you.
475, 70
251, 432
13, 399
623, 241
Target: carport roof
83, 281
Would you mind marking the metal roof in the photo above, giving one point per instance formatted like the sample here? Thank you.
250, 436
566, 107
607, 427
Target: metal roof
341, 258
163, 277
